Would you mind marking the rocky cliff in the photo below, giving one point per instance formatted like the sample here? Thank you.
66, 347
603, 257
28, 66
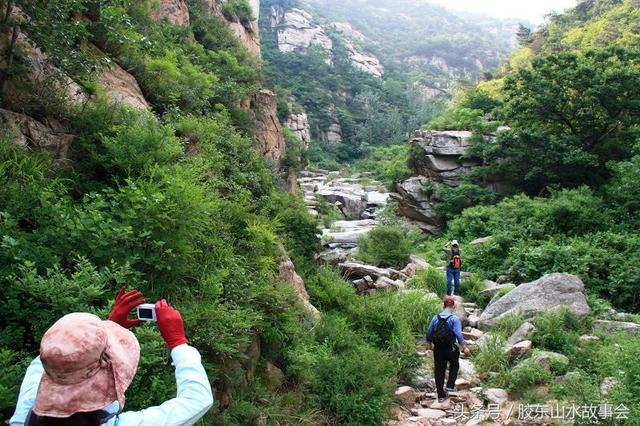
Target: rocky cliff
437, 158
297, 31
269, 130
174, 11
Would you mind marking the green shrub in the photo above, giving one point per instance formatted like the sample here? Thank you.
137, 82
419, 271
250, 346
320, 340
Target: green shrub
578, 387
491, 357
13, 365
557, 331
471, 288
239, 10
328, 291
526, 375
354, 385
429, 279
386, 246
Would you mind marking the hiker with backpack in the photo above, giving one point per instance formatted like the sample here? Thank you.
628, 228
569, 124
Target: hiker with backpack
454, 265
443, 332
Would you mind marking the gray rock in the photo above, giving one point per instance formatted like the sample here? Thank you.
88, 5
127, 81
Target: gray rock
490, 284
385, 283
521, 333
481, 241
416, 204
406, 395
360, 270
492, 291
429, 413
607, 385
502, 279
616, 326
551, 360
497, 395
589, 338
552, 291
519, 350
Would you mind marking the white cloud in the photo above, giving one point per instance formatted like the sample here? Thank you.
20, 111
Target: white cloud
533, 10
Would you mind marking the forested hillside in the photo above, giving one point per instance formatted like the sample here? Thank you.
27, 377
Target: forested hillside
367, 73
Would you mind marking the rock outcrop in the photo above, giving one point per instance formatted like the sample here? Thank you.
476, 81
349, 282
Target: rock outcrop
298, 123
268, 129
288, 275
297, 31
438, 155
438, 158
122, 87
332, 134
550, 292
247, 32
366, 62
416, 203
29, 132
174, 11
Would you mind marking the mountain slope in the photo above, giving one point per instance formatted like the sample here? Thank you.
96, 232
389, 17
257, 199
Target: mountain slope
366, 73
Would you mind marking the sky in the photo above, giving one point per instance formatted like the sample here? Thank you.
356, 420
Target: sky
533, 10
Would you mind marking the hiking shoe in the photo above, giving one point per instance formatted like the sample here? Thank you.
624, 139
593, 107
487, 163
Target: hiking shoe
443, 400
450, 390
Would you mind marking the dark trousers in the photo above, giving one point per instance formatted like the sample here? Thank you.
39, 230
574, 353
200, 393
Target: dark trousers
441, 357
453, 281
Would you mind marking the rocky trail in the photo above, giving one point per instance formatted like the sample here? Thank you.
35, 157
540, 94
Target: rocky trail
359, 201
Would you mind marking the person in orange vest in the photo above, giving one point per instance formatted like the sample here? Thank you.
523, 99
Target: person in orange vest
454, 266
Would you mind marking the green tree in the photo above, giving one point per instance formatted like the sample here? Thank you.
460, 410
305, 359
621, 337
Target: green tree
570, 114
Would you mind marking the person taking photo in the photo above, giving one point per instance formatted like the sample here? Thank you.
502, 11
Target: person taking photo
86, 365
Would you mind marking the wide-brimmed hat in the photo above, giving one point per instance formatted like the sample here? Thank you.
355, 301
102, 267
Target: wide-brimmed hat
454, 243
88, 364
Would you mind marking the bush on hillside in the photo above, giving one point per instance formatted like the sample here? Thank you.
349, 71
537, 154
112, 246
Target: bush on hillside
429, 279
557, 331
387, 246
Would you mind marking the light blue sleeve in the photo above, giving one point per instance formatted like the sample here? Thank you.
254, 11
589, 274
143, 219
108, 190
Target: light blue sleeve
430, 329
193, 400
457, 329
28, 392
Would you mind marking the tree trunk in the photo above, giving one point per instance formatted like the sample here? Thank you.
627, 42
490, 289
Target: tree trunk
4, 76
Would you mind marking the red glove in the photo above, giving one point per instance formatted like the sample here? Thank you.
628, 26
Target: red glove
170, 324
125, 303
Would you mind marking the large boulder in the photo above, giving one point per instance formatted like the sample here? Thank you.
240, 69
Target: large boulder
29, 132
415, 203
553, 291
518, 350
122, 87
356, 270
439, 155
349, 198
